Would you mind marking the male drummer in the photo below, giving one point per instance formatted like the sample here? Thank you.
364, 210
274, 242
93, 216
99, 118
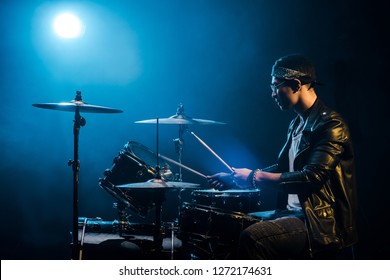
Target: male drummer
314, 175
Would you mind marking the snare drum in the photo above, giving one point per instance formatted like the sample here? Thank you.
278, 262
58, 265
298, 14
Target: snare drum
210, 231
234, 200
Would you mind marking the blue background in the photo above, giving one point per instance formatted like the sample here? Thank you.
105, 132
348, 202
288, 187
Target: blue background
147, 57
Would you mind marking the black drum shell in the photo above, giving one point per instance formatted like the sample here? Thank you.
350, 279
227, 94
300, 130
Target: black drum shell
239, 200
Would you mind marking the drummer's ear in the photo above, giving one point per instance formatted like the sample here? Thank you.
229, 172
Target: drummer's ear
295, 85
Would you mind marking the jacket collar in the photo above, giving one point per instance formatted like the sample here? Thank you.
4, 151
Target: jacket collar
304, 143
316, 109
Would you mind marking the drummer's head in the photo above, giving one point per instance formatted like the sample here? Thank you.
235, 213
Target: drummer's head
294, 67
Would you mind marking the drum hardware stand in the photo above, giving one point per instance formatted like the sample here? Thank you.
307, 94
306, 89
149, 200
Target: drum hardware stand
179, 142
121, 205
179, 149
159, 198
77, 106
79, 121
179, 206
158, 238
123, 218
172, 239
84, 222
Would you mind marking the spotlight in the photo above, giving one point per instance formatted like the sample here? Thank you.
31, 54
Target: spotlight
68, 26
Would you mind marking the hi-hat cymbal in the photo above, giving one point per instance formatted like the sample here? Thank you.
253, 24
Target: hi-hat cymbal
72, 105
158, 184
182, 185
150, 184
179, 119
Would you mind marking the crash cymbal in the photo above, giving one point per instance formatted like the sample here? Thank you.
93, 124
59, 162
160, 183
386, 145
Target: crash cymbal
158, 184
72, 105
179, 119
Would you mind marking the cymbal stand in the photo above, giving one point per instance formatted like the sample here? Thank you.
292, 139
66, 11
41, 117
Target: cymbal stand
158, 238
179, 142
158, 198
79, 121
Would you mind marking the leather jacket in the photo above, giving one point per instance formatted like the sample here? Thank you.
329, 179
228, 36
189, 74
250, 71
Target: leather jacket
324, 178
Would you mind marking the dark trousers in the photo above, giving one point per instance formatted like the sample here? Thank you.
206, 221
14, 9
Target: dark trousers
282, 238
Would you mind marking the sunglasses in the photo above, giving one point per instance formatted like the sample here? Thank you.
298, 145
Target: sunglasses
274, 87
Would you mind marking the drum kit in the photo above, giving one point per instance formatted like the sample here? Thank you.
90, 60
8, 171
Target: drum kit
139, 180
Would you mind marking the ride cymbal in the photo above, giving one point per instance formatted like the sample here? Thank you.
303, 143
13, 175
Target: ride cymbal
179, 119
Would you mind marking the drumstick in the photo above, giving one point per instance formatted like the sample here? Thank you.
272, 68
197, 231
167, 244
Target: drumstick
182, 165
218, 157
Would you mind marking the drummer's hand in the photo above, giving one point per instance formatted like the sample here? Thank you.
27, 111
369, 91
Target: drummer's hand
241, 174
221, 181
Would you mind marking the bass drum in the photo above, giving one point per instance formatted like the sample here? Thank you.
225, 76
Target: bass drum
134, 163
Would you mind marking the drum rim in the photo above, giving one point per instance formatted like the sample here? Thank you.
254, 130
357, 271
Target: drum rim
215, 210
128, 147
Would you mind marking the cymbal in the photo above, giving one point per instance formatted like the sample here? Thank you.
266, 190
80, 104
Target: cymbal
182, 185
72, 105
150, 184
158, 184
179, 119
